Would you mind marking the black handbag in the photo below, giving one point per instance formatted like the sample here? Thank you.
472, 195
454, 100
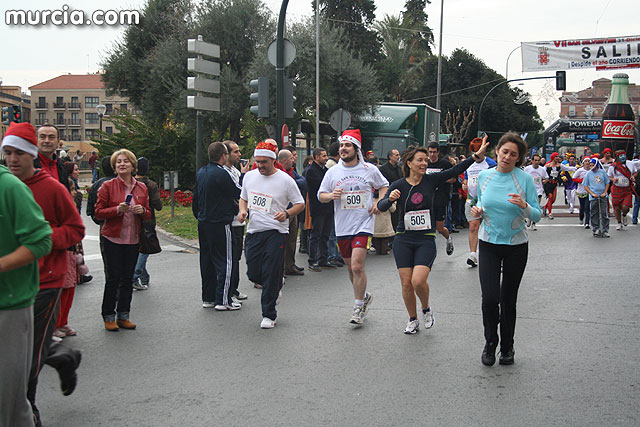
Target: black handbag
149, 243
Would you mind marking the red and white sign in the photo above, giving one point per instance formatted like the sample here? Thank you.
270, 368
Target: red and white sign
602, 54
618, 129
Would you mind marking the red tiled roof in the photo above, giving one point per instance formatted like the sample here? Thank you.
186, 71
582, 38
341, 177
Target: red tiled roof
71, 81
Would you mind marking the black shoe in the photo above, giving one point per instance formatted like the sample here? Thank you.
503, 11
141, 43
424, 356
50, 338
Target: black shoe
315, 267
86, 278
506, 357
453, 230
294, 272
65, 361
336, 263
489, 354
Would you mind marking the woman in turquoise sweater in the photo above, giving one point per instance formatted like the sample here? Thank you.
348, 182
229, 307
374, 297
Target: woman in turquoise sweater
507, 197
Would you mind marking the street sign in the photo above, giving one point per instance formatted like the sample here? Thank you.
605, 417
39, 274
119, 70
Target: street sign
203, 66
285, 135
203, 85
203, 48
340, 120
289, 53
203, 103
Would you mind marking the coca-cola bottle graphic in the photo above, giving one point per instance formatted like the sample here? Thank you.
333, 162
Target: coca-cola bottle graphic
618, 121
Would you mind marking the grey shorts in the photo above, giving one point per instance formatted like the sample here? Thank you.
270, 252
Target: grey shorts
467, 211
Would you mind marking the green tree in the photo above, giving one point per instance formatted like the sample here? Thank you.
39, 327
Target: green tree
419, 37
355, 18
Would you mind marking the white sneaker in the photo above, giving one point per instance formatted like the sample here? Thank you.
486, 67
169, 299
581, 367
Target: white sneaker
228, 307
472, 260
619, 227
449, 246
533, 226
206, 304
357, 317
236, 301
267, 323
56, 339
429, 319
241, 296
412, 327
625, 221
550, 216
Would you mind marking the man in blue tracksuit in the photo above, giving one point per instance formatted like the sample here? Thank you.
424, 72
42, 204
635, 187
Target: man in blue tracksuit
214, 207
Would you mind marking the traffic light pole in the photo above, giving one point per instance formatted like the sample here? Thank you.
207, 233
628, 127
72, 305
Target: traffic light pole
499, 84
280, 71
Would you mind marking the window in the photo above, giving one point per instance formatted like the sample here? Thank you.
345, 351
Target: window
91, 133
123, 107
59, 100
91, 118
109, 130
42, 118
74, 102
572, 110
42, 102
59, 118
109, 109
91, 101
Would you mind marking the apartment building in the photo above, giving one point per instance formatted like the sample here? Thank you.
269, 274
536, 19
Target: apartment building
13, 95
589, 103
70, 102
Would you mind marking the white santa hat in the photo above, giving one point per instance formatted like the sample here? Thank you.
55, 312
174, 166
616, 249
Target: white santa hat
23, 137
266, 149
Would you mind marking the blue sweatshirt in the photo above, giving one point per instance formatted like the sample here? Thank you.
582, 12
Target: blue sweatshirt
503, 223
215, 195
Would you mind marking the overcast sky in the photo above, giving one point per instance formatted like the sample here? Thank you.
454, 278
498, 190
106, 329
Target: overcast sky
489, 29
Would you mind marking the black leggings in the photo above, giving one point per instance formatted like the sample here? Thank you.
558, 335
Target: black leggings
499, 296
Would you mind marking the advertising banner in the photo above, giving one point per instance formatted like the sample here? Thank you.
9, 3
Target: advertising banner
602, 54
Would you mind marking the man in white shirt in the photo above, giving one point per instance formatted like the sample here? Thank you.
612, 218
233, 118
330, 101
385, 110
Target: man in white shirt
266, 193
237, 229
539, 175
350, 184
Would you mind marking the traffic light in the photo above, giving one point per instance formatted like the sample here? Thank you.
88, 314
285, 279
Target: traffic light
289, 99
561, 80
261, 84
6, 115
16, 113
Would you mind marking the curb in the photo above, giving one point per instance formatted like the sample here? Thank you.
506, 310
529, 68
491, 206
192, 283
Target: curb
193, 244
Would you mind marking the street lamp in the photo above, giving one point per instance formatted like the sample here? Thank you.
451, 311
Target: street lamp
101, 109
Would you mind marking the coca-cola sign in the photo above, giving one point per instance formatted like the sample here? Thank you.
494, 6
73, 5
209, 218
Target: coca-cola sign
621, 129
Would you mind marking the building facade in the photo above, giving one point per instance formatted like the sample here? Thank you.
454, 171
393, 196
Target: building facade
13, 95
69, 102
589, 103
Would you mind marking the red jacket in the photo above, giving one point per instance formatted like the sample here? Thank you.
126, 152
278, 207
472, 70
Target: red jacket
110, 195
65, 221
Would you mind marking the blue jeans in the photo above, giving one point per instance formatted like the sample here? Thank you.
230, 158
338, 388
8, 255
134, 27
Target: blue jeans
141, 270
636, 208
94, 175
447, 221
333, 245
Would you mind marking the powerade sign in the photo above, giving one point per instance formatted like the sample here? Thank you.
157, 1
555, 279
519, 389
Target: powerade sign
581, 126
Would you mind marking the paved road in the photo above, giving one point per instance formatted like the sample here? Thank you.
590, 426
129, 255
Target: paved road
577, 347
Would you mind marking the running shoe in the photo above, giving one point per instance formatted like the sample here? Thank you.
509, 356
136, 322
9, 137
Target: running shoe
428, 319
315, 267
528, 222
139, 286
68, 331
619, 227
207, 304
586, 226
59, 333
412, 327
267, 323
533, 226
625, 221
228, 307
367, 302
472, 260
550, 216
357, 317
449, 246
240, 296
605, 234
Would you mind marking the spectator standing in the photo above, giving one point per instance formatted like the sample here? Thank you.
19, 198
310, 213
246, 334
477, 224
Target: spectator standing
77, 158
48, 141
286, 159
392, 172
214, 206
92, 163
141, 275
123, 203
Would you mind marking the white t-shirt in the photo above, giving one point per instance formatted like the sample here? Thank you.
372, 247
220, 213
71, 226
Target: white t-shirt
471, 174
266, 196
580, 174
623, 181
538, 174
351, 211
235, 175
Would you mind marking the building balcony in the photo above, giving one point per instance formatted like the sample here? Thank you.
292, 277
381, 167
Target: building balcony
74, 122
42, 105
74, 106
59, 105
91, 121
40, 122
61, 122
74, 138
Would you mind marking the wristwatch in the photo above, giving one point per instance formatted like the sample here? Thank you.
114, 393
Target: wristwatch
287, 214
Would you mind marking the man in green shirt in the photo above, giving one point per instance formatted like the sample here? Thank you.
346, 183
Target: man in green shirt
26, 237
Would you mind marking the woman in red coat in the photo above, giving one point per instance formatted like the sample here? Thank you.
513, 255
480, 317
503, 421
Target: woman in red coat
123, 203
